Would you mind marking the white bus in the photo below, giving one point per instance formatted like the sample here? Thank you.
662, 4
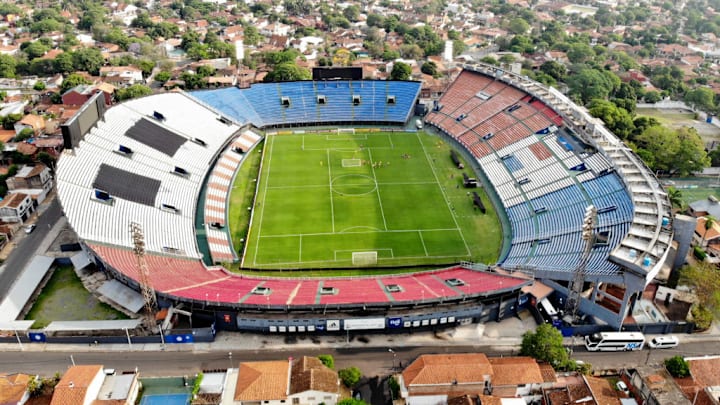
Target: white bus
614, 341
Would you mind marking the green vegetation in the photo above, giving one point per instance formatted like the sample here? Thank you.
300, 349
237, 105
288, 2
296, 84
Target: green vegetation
242, 195
677, 366
704, 279
133, 91
197, 383
350, 376
64, 298
322, 197
546, 344
327, 360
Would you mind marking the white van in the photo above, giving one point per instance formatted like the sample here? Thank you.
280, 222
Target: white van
418, 124
663, 342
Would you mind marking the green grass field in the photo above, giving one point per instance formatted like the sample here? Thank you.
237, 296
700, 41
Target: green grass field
64, 298
323, 197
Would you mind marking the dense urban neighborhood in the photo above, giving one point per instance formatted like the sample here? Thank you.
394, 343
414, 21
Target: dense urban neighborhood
288, 196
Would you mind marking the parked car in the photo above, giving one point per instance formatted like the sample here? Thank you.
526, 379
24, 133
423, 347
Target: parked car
663, 342
30, 228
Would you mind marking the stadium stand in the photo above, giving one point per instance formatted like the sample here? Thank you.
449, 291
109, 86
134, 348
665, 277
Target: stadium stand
299, 103
190, 279
218, 193
112, 178
546, 168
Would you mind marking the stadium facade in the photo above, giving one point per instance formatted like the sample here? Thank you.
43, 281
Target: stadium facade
167, 162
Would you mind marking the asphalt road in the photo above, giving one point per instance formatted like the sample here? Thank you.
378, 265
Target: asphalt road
26, 246
371, 361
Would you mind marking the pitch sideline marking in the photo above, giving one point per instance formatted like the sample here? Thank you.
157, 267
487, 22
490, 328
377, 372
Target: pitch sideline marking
382, 211
423, 242
345, 232
262, 212
332, 205
432, 167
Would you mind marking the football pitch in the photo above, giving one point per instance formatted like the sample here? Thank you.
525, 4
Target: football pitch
341, 200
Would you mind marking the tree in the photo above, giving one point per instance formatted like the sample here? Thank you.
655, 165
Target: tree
429, 68
163, 76
661, 145
352, 13
702, 98
400, 71
580, 52
35, 49
7, 65
71, 81
350, 376
652, 97
589, 84
518, 26
133, 91
616, 119
555, 69
327, 360
287, 71
64, 63
88, 59
704, 280
677, 366
545, 344
39, 86
675, 197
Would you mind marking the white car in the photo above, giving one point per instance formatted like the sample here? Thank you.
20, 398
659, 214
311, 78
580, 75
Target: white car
663, 342
30, 228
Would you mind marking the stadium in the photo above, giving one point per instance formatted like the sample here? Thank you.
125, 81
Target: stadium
168, 162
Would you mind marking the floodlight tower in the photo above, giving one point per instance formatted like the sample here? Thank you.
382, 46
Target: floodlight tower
148, 292
576, 284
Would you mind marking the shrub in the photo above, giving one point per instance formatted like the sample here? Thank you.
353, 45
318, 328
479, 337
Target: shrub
699, 253
196, 384
327, 360
677, 366
350, 376
394, 387
702, 317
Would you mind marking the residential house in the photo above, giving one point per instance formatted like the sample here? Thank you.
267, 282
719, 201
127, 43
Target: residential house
51, 145
14, 388
35, 181
654, 386
127, 74
705, 207
304, 381
125, 12
118, 389
31, 121
703, 385
517, 377
78, 95
88, 384
16, 207
433, 378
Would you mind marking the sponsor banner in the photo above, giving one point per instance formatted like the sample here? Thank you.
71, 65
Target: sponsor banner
395, 323
364, 324
333, 325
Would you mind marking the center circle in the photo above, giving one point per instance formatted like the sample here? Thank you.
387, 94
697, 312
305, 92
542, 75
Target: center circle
353, 184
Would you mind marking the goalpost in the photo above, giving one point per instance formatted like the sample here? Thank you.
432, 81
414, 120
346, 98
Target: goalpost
345, 131
364, 258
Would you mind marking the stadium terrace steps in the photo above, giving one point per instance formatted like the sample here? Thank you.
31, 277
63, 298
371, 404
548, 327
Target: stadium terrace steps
190, 279
262, 103
546, 209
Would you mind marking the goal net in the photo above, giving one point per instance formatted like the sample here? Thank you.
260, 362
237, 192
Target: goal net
346, 130
364, 258
351, 162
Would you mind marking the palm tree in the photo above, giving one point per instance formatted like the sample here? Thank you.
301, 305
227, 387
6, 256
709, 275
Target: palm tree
675, 197
709, 222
